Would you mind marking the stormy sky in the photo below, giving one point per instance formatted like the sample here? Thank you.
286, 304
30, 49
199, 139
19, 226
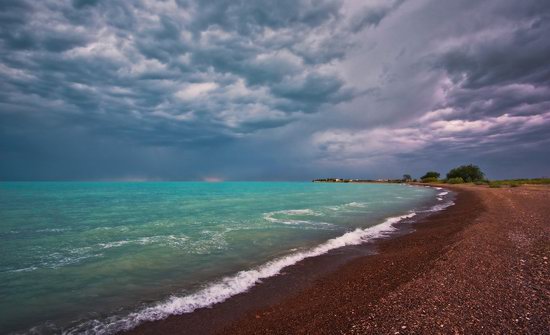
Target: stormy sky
272, 90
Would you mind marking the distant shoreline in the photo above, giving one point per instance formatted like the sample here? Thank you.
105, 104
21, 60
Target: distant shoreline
448, 263
359, 181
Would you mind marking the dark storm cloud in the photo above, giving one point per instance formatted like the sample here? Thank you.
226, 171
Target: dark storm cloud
501, 74
370, 16
179, 89
492, 97
83, 3
79, 63
517, 57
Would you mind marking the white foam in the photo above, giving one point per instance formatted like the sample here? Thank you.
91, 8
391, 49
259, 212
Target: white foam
357, 204
71, 256
306, 211
440, 207
52, 230
170, 240
296, 222
31, 268
229, 286
57, 260
213, 241
120, 228
271, 217
353, 204
114, 244
440, 197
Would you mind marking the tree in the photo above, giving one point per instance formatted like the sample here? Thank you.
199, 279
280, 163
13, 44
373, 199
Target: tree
431, 174
407, 177
469, 173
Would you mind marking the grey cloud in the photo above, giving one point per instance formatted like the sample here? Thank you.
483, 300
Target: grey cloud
246, 17
521, 99
490, 78
312, 91
502, 69
83, 3
511, 51
372, 16
209, 86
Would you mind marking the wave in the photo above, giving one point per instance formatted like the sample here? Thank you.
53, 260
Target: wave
120, 228
114, 244
170, 240
30, 268
58, 260
227, 287
440, 197
71, 256
357, 204
286, 216
440, 206
306, 211
353, 204
275, 217
52, 230
213, 240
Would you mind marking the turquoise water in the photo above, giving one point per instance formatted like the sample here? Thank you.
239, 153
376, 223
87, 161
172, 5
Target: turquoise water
100, 257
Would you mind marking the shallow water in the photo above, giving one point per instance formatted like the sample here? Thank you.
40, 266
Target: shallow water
100, 257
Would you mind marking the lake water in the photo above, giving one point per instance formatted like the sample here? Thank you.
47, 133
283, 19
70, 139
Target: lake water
101, 257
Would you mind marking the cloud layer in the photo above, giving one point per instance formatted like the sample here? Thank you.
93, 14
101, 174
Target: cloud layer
176, 89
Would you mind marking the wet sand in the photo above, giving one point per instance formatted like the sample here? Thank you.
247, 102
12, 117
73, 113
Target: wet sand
481, 266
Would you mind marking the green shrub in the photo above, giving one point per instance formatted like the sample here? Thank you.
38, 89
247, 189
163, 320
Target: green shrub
430, 180
524, 181
492, 185
430, 174
519, 182
469, 173
455, 181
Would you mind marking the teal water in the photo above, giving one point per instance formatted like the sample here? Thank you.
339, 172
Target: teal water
100, 257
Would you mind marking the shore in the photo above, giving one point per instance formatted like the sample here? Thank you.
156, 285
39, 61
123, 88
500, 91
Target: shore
480, 266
